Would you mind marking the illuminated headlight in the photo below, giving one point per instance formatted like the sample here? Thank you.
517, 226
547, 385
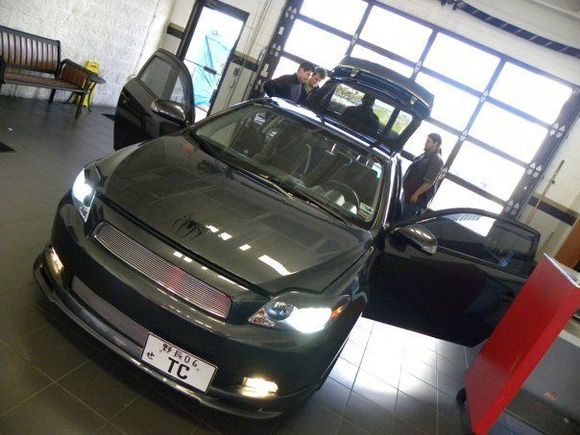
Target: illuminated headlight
258, 387
83, 193
300, 312
54, 263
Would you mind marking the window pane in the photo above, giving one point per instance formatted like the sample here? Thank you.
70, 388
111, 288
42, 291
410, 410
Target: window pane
285, 66
317, 46
416, 144
344, 14
508, 132
452, 195
365, 53
532, 93
486, 170
461, 61
451, 106
395, 33
498, 242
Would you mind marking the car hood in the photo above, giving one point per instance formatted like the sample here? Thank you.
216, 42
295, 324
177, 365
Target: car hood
229, 219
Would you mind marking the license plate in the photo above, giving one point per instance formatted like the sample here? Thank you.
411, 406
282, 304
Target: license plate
177, 363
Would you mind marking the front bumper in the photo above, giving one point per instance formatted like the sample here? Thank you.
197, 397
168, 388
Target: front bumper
237, 350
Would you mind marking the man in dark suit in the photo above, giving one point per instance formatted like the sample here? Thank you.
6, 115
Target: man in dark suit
289, 86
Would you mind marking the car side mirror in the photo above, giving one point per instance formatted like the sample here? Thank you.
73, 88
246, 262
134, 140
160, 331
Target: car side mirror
170, 110
419, 236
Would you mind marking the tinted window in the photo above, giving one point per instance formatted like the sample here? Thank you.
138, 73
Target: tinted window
164, 81
300, 156
493, 240
363, 112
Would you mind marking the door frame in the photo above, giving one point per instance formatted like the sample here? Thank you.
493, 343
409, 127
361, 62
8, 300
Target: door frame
192, 24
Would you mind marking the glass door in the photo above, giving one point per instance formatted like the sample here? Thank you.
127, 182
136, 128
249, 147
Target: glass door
211, 36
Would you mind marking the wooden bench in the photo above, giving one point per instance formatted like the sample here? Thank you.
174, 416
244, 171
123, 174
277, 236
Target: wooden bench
23, 56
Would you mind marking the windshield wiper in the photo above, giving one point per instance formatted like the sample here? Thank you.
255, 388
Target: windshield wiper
205, 145
265, 179
319, 204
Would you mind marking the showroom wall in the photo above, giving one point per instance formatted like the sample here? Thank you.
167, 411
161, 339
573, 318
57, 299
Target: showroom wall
118, 35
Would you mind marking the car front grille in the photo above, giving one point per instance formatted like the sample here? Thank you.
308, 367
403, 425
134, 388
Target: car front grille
162, 272
109, 313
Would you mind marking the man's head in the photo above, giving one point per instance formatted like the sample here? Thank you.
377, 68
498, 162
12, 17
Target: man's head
305, 71
433, 143
368, 100
319, 74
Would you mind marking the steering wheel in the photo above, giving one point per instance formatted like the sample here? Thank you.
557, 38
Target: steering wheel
348, 192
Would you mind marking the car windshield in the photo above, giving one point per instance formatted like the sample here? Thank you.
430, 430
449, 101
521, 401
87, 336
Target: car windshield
299, 157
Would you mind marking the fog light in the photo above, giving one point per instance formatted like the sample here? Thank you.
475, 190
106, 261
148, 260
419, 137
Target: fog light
54, 263
258, 387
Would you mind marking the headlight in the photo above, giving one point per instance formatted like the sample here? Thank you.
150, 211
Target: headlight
83, 192
298, 311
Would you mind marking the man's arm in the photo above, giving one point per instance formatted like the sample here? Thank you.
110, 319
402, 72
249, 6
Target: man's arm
276, 87
420, 191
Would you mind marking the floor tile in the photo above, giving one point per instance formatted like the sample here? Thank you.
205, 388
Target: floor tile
448, 406
386, 368
20, 315
449, 384
56, 349
18, 379
348, 428
152, 413
103, 385
422, 371
333, 396
401, 427
311, 418
359, 336
24, 234
367, 415
418, 389
353, 352
52, 411
344, 372
16, 267
416, 413
450, 426
376, 391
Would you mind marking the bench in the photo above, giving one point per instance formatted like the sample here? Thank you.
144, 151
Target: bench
24, 55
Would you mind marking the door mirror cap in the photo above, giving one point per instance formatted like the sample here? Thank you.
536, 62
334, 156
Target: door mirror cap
170, 110
419, 236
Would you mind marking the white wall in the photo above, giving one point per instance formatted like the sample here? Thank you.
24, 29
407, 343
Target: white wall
118, 35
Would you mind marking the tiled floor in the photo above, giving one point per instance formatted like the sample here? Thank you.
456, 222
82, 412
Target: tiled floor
54, 378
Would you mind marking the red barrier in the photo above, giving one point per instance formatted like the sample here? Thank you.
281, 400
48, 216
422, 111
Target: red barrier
542, 309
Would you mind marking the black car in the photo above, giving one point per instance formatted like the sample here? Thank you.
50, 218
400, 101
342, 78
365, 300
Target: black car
232, 258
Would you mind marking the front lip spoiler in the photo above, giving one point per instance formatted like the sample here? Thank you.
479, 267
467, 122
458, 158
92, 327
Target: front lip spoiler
127, 349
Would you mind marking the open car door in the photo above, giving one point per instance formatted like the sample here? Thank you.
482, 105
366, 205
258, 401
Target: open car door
158, 101
451, 274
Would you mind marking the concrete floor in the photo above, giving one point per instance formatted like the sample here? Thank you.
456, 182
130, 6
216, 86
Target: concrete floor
54, 378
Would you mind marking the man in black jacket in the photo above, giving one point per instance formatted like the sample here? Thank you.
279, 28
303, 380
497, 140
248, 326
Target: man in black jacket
290, 86
420, 181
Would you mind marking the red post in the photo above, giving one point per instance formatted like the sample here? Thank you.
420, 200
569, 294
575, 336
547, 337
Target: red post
542, 309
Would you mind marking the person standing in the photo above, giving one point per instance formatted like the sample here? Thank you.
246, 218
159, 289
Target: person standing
312, 86
290, 86
420, 180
